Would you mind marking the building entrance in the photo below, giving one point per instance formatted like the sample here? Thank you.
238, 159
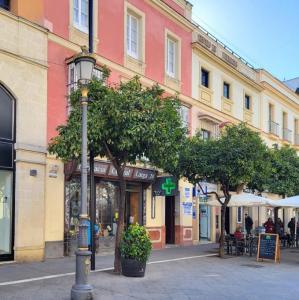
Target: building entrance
170, 219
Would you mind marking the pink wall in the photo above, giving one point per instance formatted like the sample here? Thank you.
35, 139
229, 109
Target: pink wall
57, 87
57, 13
111, 30
155, 26
111, 46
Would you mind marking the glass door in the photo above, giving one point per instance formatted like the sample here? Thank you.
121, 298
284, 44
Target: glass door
6, 196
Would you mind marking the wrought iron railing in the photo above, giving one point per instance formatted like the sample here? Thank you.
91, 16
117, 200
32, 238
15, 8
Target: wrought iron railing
273, 127
287, 134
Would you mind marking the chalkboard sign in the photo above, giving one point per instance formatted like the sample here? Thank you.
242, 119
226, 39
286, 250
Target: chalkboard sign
268, 247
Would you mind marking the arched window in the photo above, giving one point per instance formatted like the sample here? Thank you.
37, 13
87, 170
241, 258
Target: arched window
6, 129
7, 138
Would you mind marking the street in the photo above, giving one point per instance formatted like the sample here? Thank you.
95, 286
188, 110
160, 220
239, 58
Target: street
175, 273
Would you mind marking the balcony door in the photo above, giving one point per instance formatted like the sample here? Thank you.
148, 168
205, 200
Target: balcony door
7, 136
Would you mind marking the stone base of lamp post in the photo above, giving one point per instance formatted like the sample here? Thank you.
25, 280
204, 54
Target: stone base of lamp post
81, 290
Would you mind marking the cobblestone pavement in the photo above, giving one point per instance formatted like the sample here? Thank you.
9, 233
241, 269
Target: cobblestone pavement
189, 276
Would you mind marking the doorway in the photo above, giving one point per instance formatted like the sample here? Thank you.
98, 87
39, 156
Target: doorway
205, 222
170, 219
133, 207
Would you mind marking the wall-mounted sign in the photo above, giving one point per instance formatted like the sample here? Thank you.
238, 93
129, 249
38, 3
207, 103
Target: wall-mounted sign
207, 43
165, 186
187, 192
187, 208
229, 60
53, 171
106, 169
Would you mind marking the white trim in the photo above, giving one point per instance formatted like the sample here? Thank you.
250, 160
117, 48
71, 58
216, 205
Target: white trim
79, 24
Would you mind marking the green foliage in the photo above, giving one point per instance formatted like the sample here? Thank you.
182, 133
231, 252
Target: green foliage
125, 123
135, 243
230, 161
284, 177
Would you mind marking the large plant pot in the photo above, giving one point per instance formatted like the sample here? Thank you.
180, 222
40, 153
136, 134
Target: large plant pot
132, 267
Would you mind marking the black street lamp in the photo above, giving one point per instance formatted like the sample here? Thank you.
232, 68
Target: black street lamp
81, 290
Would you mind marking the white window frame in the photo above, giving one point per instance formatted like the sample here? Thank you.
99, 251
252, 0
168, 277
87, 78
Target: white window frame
130, 18
79, 24
185, 115
239, 214
171, 70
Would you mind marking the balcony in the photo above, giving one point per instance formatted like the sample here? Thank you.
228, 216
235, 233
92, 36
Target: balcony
287, 134
273, 128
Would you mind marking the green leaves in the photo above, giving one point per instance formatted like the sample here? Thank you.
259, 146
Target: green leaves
135, 243
131, 120
230, 161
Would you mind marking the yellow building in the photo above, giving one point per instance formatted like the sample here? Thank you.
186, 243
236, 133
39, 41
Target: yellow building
228, 89
23, 144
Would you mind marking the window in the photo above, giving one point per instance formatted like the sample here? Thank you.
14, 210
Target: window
247, 102
184, 113
205, 78
171, 57
226, 90
240, 214
132, 36
4, 4
205, 134
80, 14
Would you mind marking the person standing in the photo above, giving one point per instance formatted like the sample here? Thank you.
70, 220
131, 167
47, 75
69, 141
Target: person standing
269, 226
248, 223
291, 226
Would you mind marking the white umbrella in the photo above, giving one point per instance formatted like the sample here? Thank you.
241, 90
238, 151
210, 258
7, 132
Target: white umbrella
288, 202
245, 199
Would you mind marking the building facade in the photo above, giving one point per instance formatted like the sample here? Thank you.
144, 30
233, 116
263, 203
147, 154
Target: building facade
158, 41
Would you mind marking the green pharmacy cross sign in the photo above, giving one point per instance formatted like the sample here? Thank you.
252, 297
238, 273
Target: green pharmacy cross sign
165, 186
168, 186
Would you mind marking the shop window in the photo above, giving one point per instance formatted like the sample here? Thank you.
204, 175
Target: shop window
239, 214
80, 14
5, 4
204, 78
226, 90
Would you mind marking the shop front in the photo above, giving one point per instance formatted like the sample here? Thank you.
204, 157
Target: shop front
107, 204
7, 112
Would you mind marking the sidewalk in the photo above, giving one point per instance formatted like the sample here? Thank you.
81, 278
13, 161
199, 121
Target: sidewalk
18, 271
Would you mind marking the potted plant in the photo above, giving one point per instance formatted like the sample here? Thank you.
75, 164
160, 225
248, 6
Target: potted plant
135, 248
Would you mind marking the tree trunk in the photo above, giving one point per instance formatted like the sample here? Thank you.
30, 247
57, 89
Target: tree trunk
120, 224
222, 226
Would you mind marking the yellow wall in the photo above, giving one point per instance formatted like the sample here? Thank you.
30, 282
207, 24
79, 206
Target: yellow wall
26, 78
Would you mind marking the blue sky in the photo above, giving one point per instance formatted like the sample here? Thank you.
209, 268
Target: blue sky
264, 32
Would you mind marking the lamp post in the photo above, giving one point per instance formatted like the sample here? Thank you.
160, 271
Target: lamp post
81, 290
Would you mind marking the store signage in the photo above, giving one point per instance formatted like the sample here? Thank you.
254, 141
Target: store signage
187, 208
165, 186
105, 169
268, 247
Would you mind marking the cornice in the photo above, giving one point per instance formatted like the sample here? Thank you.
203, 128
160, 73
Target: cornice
172, 14
22, 20
286, 100
196, 46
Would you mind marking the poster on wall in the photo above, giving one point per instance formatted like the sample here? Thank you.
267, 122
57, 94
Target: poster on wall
187, 208
187, 192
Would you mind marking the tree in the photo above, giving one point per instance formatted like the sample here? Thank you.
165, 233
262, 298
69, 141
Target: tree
284, 177
229, 161
125, 123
